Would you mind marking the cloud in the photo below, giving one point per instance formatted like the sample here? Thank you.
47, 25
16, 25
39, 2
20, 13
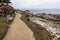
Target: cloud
36, 4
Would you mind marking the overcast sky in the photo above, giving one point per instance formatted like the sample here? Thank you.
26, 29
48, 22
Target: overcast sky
39, 4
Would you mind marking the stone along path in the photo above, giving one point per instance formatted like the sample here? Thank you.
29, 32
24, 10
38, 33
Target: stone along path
19, 30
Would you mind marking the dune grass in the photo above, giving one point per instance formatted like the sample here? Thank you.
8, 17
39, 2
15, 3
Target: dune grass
40, 33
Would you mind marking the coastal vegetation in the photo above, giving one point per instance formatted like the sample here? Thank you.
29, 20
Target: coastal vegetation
4, 23
40, 33
3, 28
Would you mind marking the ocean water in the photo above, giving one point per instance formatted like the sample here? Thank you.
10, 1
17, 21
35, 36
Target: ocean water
48, 11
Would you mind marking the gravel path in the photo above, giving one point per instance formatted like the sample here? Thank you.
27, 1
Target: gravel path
19, 30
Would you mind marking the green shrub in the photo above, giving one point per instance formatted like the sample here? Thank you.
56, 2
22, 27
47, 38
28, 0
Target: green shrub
3, 28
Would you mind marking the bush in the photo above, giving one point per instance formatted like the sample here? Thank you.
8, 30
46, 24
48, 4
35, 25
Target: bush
3, 28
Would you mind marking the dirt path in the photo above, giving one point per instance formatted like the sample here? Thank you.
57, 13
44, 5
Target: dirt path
19, 30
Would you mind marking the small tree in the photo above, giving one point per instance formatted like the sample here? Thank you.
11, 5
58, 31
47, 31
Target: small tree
0, 1
6, 1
